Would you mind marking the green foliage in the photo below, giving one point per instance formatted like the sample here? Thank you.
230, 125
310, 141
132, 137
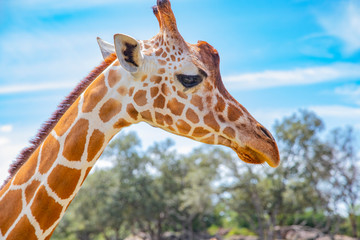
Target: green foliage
240, 231
308, 218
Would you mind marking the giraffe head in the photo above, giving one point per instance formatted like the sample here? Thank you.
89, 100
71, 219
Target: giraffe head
177, 86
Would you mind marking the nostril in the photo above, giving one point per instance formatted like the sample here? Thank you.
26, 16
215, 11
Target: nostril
266, 132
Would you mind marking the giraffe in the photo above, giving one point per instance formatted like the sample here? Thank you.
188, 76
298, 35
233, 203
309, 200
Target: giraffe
164, 81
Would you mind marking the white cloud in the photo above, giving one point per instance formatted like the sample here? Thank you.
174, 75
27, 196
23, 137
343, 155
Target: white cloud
352, 92
343, 22
338, 115
4, 140
34, 87
46, 60
6, 128
298, 76
337, 111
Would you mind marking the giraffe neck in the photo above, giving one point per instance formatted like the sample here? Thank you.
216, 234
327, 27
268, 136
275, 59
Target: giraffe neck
37, 196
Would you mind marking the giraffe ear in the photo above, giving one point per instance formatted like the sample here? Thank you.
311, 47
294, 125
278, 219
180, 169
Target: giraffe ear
105, 47
128, 52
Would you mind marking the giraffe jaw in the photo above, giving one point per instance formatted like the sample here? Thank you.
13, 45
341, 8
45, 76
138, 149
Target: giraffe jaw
253, 156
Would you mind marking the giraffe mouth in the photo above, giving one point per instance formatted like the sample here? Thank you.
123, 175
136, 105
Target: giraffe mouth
253, 156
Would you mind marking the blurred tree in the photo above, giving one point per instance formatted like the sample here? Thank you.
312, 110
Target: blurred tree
346, 173
267, 197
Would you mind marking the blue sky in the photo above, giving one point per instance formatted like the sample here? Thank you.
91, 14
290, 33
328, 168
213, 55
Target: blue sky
276, 56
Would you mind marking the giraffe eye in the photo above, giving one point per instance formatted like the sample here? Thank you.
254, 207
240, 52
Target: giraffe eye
189, 81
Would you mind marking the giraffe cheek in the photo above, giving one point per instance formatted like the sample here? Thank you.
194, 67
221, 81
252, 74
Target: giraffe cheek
229, 132
192, 116
140, 98
210, 120
175, 107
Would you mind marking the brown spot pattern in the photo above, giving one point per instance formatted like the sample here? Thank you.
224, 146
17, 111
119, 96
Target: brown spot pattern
156, 79
197, 102
75, 142
192, 116
30, 190
143, 78
221, 118
130, 109
165, 89
45, 209
140, 98
175, 106
182, 95
159, 118
11, 206
113, 78
109, 110
121, 123
209, 140
5, 188
159, 51
23, 230
210, 120
27, 170
233, 113
159, 102
154, 91
94, 94
224, 141
229, 132
183, 127
65, 121
161, 71
63, 181
168, 119
162, 62
131, 91
200, 132
220, 105
146, 115
49, 154
122, 90
97, 140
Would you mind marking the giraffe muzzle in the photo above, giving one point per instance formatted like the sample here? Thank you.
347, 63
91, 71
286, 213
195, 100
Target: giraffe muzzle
254, 156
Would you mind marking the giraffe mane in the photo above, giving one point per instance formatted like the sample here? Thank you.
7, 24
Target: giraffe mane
47, 126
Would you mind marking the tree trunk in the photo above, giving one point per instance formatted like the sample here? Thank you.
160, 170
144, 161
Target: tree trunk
352, 218
159, 228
